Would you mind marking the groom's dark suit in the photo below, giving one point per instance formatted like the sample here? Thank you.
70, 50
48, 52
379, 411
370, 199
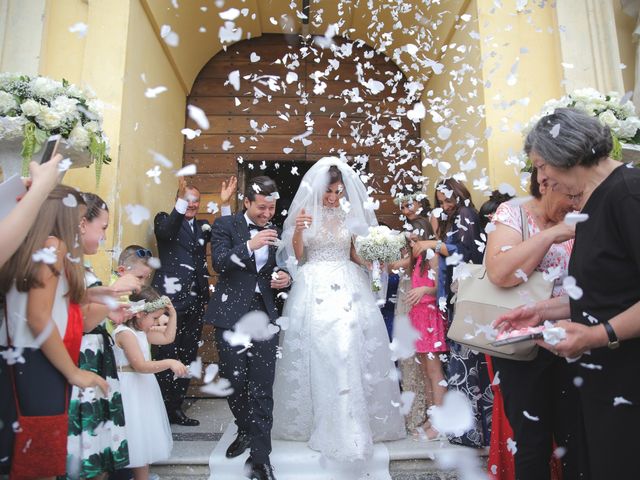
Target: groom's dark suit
251, 372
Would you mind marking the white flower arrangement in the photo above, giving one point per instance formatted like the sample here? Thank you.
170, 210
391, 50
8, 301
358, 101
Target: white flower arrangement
381, 245
35, 108
617, 112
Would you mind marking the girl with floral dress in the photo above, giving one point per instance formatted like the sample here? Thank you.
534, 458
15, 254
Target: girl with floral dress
148, 430
97, 440
427, 319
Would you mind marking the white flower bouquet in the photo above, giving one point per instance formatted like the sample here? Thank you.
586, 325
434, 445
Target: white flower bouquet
613, 110
34, 108
381, 245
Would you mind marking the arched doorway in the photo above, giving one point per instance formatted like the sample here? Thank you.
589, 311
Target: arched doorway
294, 103
277, 103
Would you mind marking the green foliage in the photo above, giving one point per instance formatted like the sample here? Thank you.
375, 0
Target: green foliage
31, 143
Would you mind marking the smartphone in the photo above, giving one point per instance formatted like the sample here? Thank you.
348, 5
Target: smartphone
50, 148
518, 339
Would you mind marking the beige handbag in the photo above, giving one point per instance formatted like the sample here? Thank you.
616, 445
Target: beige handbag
479, 302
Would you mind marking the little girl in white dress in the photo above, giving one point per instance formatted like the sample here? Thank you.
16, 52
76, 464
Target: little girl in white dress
148, 430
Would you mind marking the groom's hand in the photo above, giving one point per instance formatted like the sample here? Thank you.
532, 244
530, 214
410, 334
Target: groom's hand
280, 279
266, 237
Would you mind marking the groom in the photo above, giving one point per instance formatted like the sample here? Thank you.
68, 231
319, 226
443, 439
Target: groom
243, 254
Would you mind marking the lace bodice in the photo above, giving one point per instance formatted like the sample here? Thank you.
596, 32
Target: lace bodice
333, 241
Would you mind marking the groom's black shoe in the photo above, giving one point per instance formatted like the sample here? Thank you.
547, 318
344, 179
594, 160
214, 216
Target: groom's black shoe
239, 445
178, 417
258, 471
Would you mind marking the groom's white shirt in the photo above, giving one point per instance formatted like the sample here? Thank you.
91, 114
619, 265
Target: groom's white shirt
261, 255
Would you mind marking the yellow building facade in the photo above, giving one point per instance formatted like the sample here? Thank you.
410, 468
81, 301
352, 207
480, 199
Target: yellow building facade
493, 67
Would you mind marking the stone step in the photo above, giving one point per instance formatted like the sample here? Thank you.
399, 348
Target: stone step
399, 470
409, 459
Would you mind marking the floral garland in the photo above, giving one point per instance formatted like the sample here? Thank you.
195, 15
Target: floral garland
408, 198
148, 307
35, 108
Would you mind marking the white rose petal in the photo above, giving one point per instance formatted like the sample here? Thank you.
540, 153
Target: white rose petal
137, 213
197, 115
46, 255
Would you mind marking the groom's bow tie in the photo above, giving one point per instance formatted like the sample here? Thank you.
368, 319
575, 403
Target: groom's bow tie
253, 226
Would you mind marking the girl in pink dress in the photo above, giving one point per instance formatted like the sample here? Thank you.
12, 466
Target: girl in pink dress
427, 319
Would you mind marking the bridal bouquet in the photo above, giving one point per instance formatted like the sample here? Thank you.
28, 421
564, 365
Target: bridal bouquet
382, 245
34, 108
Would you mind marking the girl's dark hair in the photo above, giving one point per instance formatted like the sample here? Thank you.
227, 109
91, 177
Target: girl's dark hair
463, 199
148, 294
489, 207
422, 227
95, 205
335, 175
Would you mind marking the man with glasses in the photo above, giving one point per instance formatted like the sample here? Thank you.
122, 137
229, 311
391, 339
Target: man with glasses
184, 277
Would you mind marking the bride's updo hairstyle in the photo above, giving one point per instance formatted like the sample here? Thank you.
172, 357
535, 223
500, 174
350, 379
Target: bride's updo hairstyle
335, 175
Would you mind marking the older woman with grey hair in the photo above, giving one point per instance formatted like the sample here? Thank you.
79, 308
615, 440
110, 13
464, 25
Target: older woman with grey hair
571, 153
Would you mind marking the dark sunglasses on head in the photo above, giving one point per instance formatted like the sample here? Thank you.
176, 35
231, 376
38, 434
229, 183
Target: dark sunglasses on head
143, 253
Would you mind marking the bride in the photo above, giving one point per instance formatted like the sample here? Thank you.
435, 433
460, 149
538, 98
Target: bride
335, 385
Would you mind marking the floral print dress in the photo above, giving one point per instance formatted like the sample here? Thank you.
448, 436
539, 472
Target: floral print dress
97, 439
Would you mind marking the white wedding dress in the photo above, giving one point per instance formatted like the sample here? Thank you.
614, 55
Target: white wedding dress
335, 385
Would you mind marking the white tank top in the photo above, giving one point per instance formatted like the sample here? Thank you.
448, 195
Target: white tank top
19, 330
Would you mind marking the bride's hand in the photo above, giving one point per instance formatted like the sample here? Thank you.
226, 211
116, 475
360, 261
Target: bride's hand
303, 221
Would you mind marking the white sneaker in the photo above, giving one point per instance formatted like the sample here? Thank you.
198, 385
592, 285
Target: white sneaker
154, 476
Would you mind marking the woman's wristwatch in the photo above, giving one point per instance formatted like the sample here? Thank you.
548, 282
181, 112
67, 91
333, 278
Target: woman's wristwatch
611, 333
